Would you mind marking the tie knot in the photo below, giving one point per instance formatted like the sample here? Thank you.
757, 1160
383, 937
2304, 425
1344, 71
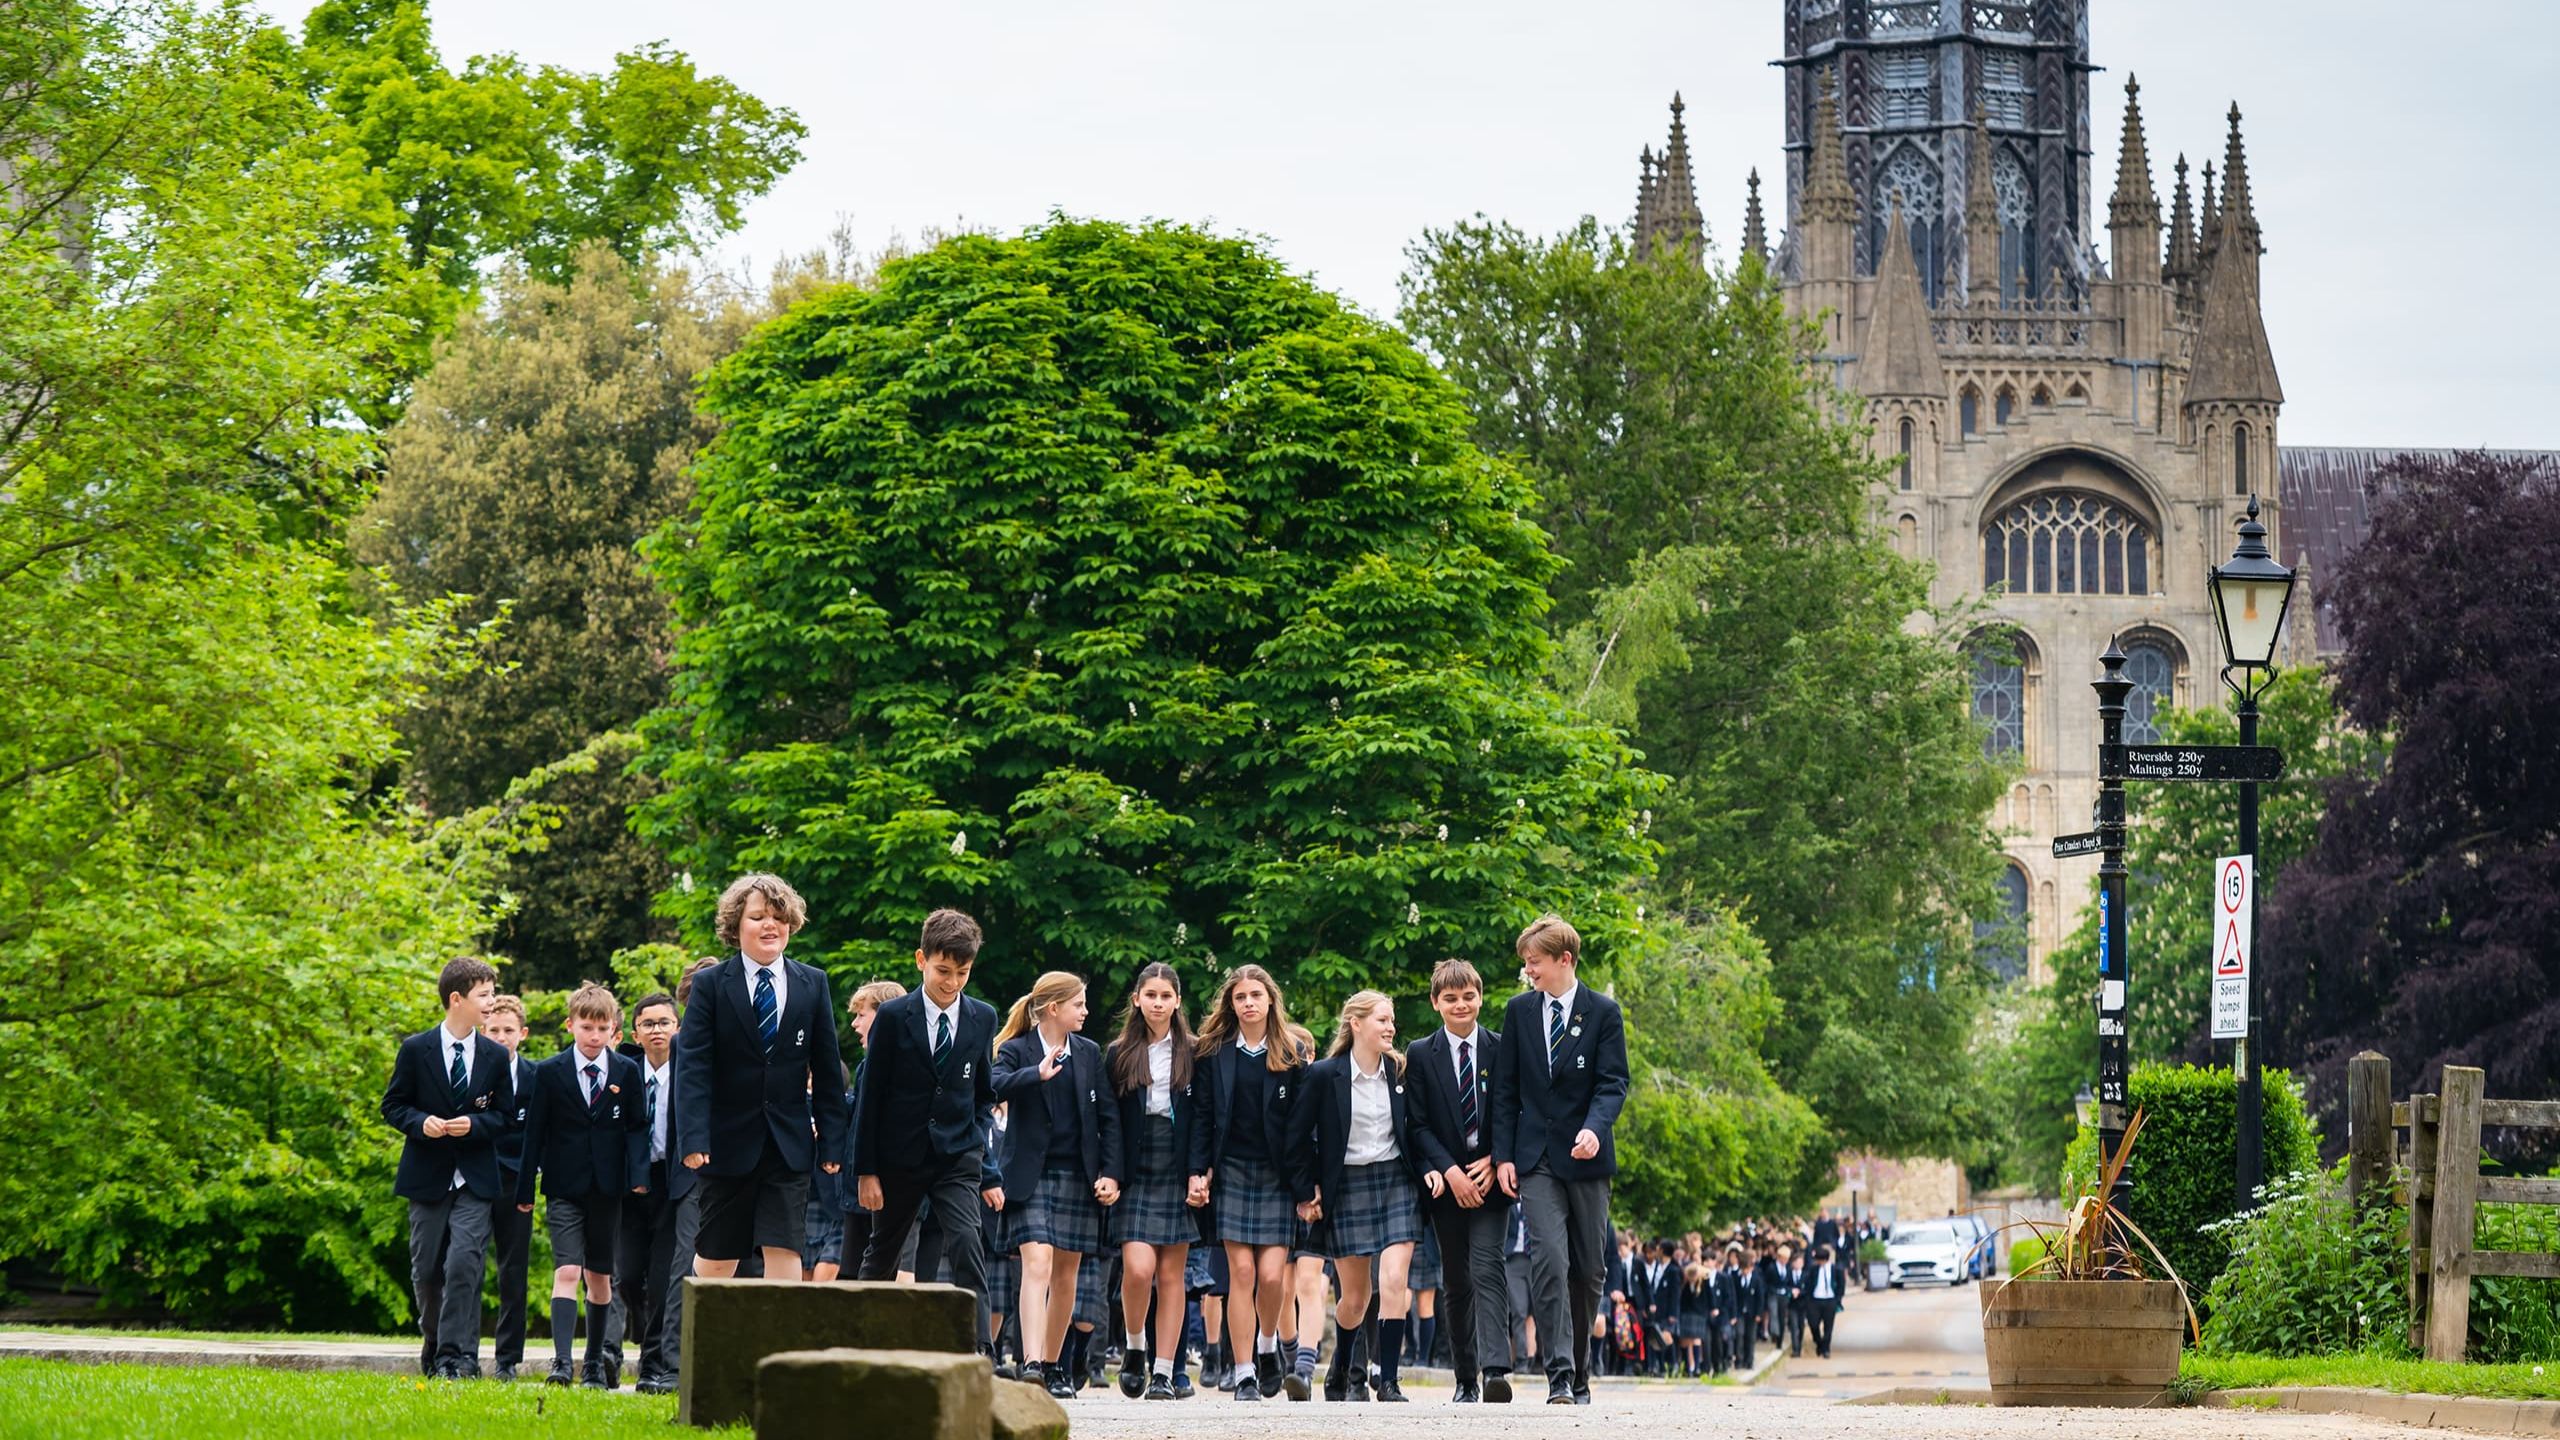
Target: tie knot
591, 1071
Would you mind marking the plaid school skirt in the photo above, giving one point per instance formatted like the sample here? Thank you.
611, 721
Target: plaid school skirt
1004, 1284
1254, 1208
1152, 1208
1061, 1212
1425, 1274
1093, 1280
1375, 1211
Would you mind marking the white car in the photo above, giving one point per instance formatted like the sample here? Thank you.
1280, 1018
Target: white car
1941, 1252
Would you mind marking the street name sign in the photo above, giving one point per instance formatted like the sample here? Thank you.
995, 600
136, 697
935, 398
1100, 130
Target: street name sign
2087, 842
2235, 879
2190, 762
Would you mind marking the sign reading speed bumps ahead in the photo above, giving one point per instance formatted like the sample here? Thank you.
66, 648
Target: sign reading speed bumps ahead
2235, 877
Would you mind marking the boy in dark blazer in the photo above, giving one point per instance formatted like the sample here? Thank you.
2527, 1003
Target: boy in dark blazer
1558, 1085
513, 1229
922, 1104
587, 1135
1451, 1070
1822, 1287
450, 1098
759, 1085
651, 1216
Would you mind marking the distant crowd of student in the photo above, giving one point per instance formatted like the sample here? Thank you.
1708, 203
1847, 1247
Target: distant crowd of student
1221, 1183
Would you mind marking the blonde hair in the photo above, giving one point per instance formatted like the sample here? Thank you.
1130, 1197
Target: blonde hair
1285, 1044
779, 897
1358, 1007
1549, 937
592, 1001
508, 1005
873, 996
1054, 987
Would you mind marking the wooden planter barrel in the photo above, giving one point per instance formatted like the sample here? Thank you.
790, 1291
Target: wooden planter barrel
2082, 1342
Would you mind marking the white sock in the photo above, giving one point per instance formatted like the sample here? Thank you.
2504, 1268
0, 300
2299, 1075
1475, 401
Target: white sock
1164, 1366
1266, 1344
1137, 1342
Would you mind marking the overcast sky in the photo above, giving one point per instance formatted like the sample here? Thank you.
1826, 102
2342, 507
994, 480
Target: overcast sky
2402, 171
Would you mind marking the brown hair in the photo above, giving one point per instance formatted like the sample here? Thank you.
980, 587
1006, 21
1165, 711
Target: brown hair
1359, 1005
461, 977
1285, 1046
1551, 938
1052, 988
952, 934
592, 1001
1454, 974
872, 996
1128, 1058
778, 895
684, 982
507, 1005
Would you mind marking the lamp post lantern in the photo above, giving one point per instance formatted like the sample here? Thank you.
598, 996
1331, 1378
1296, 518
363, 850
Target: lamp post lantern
2252, 595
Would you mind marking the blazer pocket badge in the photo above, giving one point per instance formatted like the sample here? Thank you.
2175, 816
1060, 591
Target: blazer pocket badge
481, 1102
1578, 1061
968, 1068
801, 1037
1089, 1098
614, 1089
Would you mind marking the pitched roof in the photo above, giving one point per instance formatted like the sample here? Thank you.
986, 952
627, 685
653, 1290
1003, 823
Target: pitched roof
1900, 356
2328, 494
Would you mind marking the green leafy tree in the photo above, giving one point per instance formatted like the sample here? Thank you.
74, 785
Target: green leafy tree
210, 925
1731, 601
1141, 598
554, 432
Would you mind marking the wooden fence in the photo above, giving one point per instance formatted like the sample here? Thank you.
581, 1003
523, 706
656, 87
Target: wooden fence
2437, 1174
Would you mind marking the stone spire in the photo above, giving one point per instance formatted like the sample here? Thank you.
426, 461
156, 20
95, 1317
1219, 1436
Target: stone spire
1755, 227
2232, 361
1644, 193
1899, 358
1828, 210
2208, 229
1672, 216
2134, 202
2182, 231
1981, 216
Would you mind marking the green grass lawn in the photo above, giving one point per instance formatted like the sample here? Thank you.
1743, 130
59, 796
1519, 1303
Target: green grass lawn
54, 1401
2370, 1372
145, 1332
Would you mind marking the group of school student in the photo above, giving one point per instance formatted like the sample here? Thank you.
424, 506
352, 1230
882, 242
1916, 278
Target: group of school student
1696, 1306
726, 1135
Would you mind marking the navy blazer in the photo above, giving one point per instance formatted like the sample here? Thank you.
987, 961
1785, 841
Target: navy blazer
678, 1181
421, 1086
511, 1139
1026, 1128
1434, 1077
909, 1115
1804, 1283
584, 1151
1537, 1112
1216, 1070
732, 1099
1312, 1159
1190, 1132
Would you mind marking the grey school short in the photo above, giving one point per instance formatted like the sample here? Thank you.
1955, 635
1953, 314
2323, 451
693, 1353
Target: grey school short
582, 1230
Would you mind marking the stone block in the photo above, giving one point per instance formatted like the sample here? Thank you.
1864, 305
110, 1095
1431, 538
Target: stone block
731, 1325
1024, 1411
911, 1394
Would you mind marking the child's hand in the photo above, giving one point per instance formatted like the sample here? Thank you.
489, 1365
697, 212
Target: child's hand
1107, 1190
1509, 1175
434, 1127
697, 1160
1432, 1182
527, 1209
1051, 1064
1310, 1211
866, 1192
1199, 1195
458, 1125
1585, 1145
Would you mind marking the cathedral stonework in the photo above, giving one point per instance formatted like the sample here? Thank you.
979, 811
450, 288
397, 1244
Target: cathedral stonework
2075, 422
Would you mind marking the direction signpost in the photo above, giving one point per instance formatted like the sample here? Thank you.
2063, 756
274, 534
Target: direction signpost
2190, 762
2087, 842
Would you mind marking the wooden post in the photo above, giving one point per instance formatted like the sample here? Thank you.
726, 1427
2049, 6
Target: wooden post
2456, 1200
2369, 1130
2422, 1171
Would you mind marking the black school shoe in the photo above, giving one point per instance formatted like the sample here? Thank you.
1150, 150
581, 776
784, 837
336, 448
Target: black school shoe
1133, 1373
1497, 1387
559, 1374
591, 1375
1357, 1392
1183, 1389
1249, 1388
1160, 1388
1061, 1385
1581, 1394
1390, 1392
1297, 1386
1466, 1393
1560, 1388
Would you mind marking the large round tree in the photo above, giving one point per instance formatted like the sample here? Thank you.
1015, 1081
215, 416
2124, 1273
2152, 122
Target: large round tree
1139, 597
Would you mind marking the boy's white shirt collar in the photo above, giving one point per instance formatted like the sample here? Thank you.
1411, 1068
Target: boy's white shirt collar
464, 1039
933, 1012
1571, 992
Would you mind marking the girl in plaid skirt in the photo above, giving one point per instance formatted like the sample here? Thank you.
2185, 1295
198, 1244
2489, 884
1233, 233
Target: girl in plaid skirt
1061, 1161
1352, 1164
1251, 1061
1168, 1163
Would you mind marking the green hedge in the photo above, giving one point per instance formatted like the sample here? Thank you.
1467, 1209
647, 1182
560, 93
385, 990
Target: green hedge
2183, 1162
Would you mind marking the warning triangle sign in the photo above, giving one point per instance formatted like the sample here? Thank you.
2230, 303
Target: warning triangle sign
2232, 957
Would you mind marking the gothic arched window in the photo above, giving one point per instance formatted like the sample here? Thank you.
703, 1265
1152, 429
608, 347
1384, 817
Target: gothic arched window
2000, 695
1910, 178
2151, 663
2006, 402
2062, 542
1908, 430
2002, 941
2015, 198
1969, 410
2239, 459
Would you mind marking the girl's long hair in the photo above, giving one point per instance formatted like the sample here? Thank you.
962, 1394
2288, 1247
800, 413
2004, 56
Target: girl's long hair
1286, 1045
1128, 1060
1053, 987
1358, 1006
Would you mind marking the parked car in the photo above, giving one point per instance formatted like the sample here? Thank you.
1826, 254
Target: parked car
1936, 1252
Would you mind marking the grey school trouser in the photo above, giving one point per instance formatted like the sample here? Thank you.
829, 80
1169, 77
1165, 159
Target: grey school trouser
450, 1233
1568, 1264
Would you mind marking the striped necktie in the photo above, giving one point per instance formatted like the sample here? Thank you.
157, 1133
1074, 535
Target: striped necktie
460, 1075
768, 1013
1467, 1090
1555, 1029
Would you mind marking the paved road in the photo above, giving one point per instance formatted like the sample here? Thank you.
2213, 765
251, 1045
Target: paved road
1890, 1339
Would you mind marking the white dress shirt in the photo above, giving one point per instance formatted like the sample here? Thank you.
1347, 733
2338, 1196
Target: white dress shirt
665, 1079
1462, 1045
933, 1016
1372, 1136
781, 989
602, 1060
446, 1040
1160, 1077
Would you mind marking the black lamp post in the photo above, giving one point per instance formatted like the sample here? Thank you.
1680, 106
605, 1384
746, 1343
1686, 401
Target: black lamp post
2251, 595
